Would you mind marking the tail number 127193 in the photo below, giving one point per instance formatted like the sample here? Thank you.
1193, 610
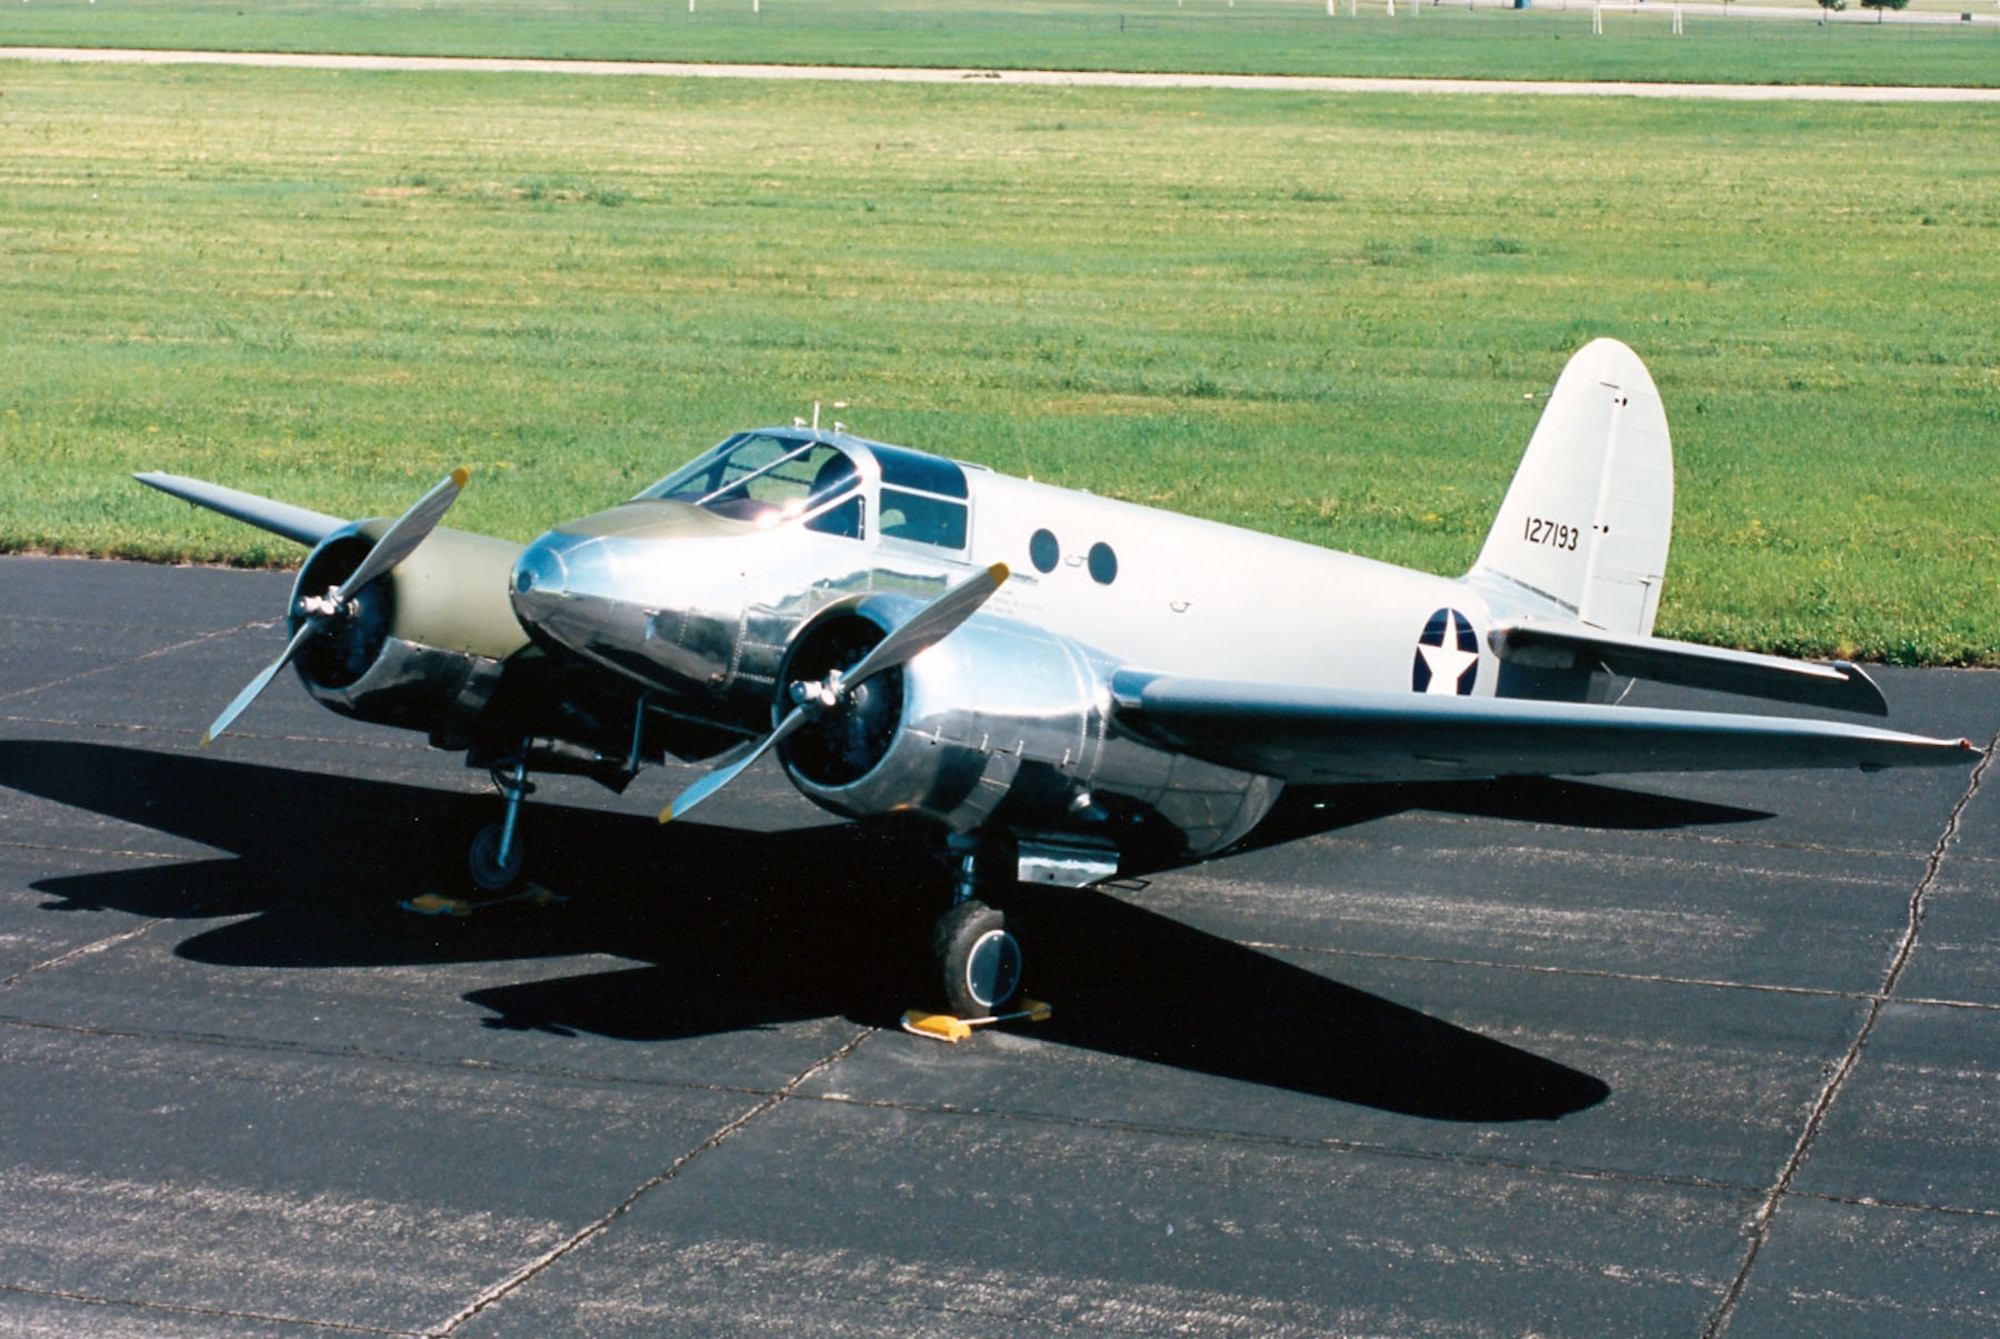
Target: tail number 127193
1539, 531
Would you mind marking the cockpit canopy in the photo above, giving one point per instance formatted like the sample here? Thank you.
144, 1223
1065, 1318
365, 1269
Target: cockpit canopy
770, 478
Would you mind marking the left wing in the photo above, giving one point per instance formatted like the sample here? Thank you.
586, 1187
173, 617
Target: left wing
1324, 735
280, 518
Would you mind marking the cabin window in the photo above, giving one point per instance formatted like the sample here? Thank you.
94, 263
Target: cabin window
1103, 564
921, 497
914, 469
924, 519
1043, 550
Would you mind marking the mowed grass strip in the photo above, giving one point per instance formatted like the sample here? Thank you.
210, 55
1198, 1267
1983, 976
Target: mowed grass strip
1552, 41
1334, 318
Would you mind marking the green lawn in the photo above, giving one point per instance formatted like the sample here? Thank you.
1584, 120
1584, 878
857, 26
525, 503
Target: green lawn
1323, 316
1263, 36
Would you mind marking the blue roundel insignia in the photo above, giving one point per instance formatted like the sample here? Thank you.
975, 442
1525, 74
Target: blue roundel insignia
1447, 655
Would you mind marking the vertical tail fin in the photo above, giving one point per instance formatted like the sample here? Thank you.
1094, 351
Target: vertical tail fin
1587, 520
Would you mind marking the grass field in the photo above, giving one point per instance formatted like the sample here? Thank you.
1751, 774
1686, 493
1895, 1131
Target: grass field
1552, 41
1331, 317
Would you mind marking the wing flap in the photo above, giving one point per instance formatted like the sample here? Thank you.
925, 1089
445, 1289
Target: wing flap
1326, 736
1839, 686
280, 518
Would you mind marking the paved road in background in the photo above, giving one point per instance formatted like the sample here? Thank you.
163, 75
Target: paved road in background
1065, 78
1656, 1057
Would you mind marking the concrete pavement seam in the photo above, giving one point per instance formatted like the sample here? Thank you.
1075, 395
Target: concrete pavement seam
83, 951
591, 1230
1760, 1224
139, 659
451, 1064
184, 1309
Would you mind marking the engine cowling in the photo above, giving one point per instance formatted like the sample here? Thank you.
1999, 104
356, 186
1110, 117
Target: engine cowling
999, 713
422, 647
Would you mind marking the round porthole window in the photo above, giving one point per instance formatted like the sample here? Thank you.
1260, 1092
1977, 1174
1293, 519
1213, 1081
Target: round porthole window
1043, 551
1103, 564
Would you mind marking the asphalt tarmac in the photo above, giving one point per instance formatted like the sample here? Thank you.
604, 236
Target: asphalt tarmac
1661, 1056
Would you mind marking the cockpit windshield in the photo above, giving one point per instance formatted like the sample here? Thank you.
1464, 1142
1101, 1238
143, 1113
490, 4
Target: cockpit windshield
767, 480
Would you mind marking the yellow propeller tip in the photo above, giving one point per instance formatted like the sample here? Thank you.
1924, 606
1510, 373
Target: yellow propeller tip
999, 572
207, 739
667, 814
460, 475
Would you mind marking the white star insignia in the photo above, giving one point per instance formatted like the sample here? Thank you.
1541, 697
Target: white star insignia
1446, 664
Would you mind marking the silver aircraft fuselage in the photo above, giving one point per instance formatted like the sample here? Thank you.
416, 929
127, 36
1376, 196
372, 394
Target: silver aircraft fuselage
700, 609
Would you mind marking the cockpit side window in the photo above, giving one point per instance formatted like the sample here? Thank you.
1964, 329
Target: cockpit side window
767, 480
836, 477
927, 520
920, 498
914, 469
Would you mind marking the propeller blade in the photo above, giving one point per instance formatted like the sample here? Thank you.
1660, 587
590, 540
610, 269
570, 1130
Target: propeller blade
402, 538
722, 776
930, 625
922, 630
260, 683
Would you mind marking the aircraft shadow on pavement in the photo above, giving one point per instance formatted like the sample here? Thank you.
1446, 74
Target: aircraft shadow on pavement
746, 930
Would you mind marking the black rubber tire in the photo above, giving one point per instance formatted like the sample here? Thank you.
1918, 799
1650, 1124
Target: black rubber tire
980, 959
482, 867
463, 869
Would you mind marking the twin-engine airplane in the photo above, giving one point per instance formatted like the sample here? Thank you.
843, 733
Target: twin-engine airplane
1053, 681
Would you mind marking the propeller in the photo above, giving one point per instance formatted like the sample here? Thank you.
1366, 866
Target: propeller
396, 544
915, 634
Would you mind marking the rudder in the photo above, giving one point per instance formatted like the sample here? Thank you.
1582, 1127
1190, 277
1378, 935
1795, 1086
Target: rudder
1588, 519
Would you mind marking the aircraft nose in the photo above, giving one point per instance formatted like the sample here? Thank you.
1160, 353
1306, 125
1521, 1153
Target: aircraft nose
541, 570
556, 585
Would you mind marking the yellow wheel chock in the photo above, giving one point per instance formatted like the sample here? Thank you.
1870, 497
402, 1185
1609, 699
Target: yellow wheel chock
947, 1027
436, 904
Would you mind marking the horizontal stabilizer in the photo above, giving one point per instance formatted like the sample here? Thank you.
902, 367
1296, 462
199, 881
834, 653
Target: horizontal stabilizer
1839, 686
280, 518
1323, 736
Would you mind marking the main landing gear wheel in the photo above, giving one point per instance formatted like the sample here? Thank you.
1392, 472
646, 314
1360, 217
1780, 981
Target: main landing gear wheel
485, 850
483, 864
980, 959
468, 862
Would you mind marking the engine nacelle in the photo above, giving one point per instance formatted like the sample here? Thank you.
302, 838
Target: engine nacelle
421, 647
1001, 723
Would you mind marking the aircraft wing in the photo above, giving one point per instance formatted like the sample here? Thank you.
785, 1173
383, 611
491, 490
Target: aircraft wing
1321, 736
280, 518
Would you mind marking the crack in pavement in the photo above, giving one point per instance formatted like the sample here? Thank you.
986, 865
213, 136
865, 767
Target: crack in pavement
141, 658
591, 1230
1760, 1223
188, 1309
84, 951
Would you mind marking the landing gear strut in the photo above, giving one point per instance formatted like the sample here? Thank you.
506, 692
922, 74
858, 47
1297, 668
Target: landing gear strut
980, 958
496, 852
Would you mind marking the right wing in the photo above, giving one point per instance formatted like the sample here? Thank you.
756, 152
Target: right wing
280, 518
1324, 736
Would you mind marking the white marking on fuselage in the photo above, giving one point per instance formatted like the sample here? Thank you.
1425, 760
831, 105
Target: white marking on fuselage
1446, 664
